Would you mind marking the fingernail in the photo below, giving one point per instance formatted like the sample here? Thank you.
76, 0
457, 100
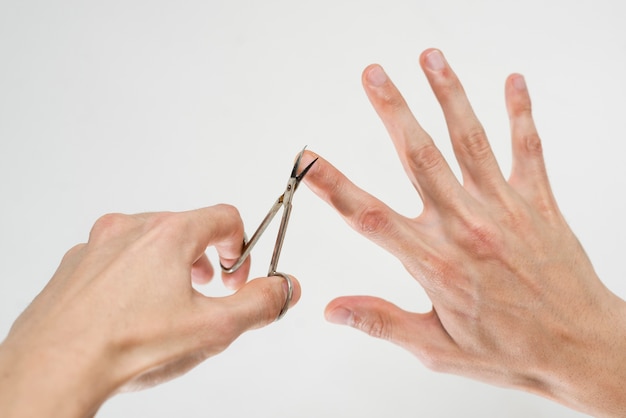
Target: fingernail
519, 83
435, 61
376, 76
340, 316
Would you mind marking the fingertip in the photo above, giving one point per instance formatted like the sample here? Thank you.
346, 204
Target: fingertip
517, 82
517, 98
339, 315
374, 76
290, 292
433, 60
235, 280
200, 277
260, 301
345, 309
516, 89
296, 290
327, 182
314, 178
202, 271
308, 157
425, 53
371, 315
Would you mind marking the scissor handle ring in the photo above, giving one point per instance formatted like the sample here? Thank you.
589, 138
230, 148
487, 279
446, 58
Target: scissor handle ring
240, 260
285, 307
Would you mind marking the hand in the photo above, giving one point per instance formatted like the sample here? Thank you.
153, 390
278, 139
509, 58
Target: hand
121, 312
516, 301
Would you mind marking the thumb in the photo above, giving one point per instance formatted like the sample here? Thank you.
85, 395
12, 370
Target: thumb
259, 302
421, 334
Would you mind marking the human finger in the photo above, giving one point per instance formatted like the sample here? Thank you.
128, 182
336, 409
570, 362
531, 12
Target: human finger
214, 324
362, 211
422, 161
528, 175
259, 302
421, 334
471, 147
202, 270
220, 226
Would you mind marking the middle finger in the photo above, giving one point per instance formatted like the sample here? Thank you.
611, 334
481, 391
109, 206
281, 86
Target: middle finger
471, 147
422, 161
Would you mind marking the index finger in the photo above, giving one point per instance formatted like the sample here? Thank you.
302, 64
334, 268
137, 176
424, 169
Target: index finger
362, 211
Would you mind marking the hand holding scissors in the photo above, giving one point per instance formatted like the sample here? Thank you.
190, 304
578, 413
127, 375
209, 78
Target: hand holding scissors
284, 201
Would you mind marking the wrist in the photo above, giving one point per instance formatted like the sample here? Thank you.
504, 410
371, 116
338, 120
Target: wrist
591, 373
43, 379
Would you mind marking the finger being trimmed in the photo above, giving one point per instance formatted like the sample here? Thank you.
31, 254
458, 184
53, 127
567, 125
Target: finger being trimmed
362, 211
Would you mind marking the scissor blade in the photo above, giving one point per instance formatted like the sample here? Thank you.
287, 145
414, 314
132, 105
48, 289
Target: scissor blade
300, 176
294, 170
248, 246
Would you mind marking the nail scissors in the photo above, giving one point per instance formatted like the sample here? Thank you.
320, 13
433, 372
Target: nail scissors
283, 201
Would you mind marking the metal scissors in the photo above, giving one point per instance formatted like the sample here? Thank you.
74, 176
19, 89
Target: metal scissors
283, 201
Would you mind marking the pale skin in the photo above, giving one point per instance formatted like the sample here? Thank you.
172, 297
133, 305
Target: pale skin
120, 313
516, 301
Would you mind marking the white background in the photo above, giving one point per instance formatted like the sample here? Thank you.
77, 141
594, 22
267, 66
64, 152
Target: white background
129, 106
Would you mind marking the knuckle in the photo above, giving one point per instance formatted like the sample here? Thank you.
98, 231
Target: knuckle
532, 144
393, 101
229, 216
435, 272
74, 251
515, 215
237, 227
448, 87
522, 107
373, 220
229, 211
547, 208
374, 324
424, 157
168, 226
482, 238
110, 225
475, 144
